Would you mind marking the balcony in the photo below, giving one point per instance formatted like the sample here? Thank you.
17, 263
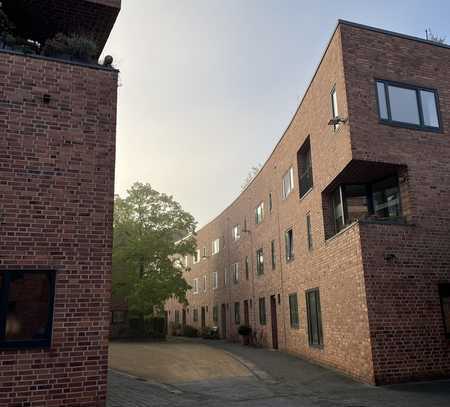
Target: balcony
41, 20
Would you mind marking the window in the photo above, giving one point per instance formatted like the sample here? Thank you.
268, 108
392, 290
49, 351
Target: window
259, 213
309, 231
247, 267
245, 225
444, 293
216, 313
315, 334
236, 273
259, 262
304, 163
262, 311
195, 286
289, 243
204, 252
195, 315
26, 308
196, 257
205, 283
380, 200
177, 317
225, 277
236, 232
408, 105
293, 310
272, 253
288, 182
334, 107
215, 246
215, 280
270, 203
237, 313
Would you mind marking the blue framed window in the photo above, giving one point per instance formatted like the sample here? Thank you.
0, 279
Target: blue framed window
408, 106
26, 308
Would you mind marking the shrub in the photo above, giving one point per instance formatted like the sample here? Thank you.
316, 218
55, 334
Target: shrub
6, 26
76, 47
244, 330
190, 331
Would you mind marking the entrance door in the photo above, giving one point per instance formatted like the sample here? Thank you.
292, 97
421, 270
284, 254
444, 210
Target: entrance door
273, 314
223, 321
203, 317
184, 318
246, 316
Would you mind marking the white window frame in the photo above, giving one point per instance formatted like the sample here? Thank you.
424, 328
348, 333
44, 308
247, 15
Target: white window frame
215, 282
215, 246
259, 219
195, 286
289, 173
197, 253
236, 232
236, 273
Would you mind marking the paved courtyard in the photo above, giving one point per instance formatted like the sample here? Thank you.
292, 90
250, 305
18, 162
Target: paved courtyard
189, 373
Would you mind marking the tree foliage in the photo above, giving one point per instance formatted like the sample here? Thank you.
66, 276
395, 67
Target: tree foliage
251, 174
147, 270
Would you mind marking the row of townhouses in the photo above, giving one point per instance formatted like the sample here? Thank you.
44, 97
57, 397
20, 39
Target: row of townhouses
339, 249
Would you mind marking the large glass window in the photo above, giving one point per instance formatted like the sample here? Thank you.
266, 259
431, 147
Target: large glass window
408, 105
26, 308
293, 310
444, 292
351, 202
304, 163
314, 314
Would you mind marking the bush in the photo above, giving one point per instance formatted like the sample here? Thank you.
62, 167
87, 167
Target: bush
190, 331
244, 330
76, 47
6, 26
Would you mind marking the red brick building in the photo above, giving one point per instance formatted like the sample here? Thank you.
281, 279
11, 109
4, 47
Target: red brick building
339, 249
57, 153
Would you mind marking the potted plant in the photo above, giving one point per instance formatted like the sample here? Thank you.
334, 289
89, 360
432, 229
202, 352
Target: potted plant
245, 331
73, 47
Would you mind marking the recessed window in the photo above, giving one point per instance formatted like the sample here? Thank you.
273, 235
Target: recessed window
236, 273
288, 182
195, 286
215, 276
216, 313
195, 315
262, 311
259, 213
247, 267
204, 252
289, 244
272, 254
26, 308
378, 200
259, 262
334, 107
270, 203
205, 283
177, 317
444, 293
407, 105
215, 246
304, 163
314, 314
309, 232
293, 310
237, 313
196, 257
236, 233
225, 277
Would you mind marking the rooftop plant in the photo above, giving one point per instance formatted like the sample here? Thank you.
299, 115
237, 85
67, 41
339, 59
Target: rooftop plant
73, 46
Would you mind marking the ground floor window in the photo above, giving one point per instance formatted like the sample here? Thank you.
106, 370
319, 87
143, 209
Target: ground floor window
293, 310
315, 333
262, 311
216, 313
195, 316
26, 308
444, 293
237, 313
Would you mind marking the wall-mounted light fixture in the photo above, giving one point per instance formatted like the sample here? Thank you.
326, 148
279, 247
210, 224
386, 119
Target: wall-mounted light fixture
335, 121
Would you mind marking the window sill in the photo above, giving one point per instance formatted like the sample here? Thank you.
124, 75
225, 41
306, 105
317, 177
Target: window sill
409, 126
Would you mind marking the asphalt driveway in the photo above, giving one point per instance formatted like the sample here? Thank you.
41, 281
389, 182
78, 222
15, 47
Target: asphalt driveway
215, 373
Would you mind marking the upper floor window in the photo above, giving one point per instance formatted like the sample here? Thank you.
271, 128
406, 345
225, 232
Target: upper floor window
334, 107
215, 280
225, 277
288, 182
259, 213
289, 244
26, 308
407, 105
205, 283
236, 232
309, 231
236, 273
196, 257
272, 252
380, 200
204, 252
247, 267
195, 286
215, 246
270, 202
444, 293
259, 261
304, 163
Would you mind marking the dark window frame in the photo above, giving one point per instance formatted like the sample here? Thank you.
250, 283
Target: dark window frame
272, 254
262, 311
318, 322
289, 245
309, 232
215, 313
247, 268
389, 121
444, 292
259, 265
237, 313
294, 316
304, 168
4, 294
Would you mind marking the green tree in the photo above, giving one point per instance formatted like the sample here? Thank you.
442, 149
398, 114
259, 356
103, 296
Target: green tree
148, 231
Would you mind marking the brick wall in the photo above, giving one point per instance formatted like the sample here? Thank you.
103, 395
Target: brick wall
56, 202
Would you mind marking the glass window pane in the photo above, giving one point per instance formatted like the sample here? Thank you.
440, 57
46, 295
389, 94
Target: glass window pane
386, 198
338, 213
28, 306
382, 105
314, 334
403, 104
429, 109
334, 103
356, 202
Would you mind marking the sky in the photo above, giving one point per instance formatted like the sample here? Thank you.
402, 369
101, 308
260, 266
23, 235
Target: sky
207, 87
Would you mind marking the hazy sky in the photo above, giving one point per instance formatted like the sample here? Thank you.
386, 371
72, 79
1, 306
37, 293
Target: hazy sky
209, 86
